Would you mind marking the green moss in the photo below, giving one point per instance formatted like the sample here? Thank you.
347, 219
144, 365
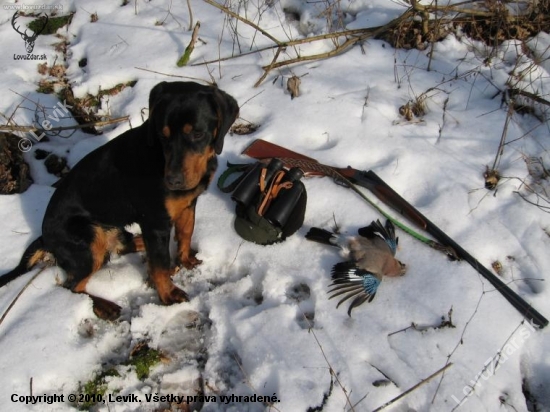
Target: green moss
143, 359
54, 24
93, 389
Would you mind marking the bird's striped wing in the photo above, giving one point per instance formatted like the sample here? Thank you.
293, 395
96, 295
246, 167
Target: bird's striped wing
352, 282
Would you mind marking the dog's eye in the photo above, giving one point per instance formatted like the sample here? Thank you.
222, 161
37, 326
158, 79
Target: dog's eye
198, 135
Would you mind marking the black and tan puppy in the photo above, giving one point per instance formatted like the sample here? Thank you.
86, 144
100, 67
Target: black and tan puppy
150, 175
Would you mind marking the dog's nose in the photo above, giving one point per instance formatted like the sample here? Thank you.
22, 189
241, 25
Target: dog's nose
174, 182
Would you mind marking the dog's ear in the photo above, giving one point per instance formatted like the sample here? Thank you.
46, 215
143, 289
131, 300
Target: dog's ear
156, 93
154, 100
227, 111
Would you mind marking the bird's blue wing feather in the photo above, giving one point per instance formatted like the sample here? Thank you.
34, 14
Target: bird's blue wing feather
389, 236
370, 282
351, 281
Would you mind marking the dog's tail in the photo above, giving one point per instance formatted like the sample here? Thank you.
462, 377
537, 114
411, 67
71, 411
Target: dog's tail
34, 254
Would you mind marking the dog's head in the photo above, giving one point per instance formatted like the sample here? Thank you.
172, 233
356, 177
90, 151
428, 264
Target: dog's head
191, 121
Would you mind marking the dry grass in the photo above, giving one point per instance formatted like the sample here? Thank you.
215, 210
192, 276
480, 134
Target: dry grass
488, 21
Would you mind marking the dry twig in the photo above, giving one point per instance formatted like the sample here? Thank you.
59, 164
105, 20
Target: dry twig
176, 75
352, 37
15, 128
411, 389
20, 293
331, 369
235, 15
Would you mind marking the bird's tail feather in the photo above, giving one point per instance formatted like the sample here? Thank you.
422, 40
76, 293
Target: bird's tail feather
319, 235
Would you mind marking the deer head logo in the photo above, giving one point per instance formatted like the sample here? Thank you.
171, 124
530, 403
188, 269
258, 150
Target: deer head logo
29, 40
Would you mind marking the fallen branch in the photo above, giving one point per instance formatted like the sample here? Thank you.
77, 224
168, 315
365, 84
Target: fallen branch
266, 71
27, 129
419, 384
291, 43
460, 341
456, 9
385, 376
248, 383
175, 75
353, 36
518, 92
337, 50
445, 323
433, 21
330, 368
367, 33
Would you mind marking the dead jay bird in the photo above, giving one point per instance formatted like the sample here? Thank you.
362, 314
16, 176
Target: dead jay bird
371, 256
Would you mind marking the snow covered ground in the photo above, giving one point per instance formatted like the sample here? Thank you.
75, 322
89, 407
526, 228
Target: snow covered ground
245, 331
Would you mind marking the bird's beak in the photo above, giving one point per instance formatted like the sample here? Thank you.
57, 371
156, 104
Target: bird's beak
403, 269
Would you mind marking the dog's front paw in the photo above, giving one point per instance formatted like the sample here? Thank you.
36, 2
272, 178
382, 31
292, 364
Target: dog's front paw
173, 295
105, 309
189, 262
167, 291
